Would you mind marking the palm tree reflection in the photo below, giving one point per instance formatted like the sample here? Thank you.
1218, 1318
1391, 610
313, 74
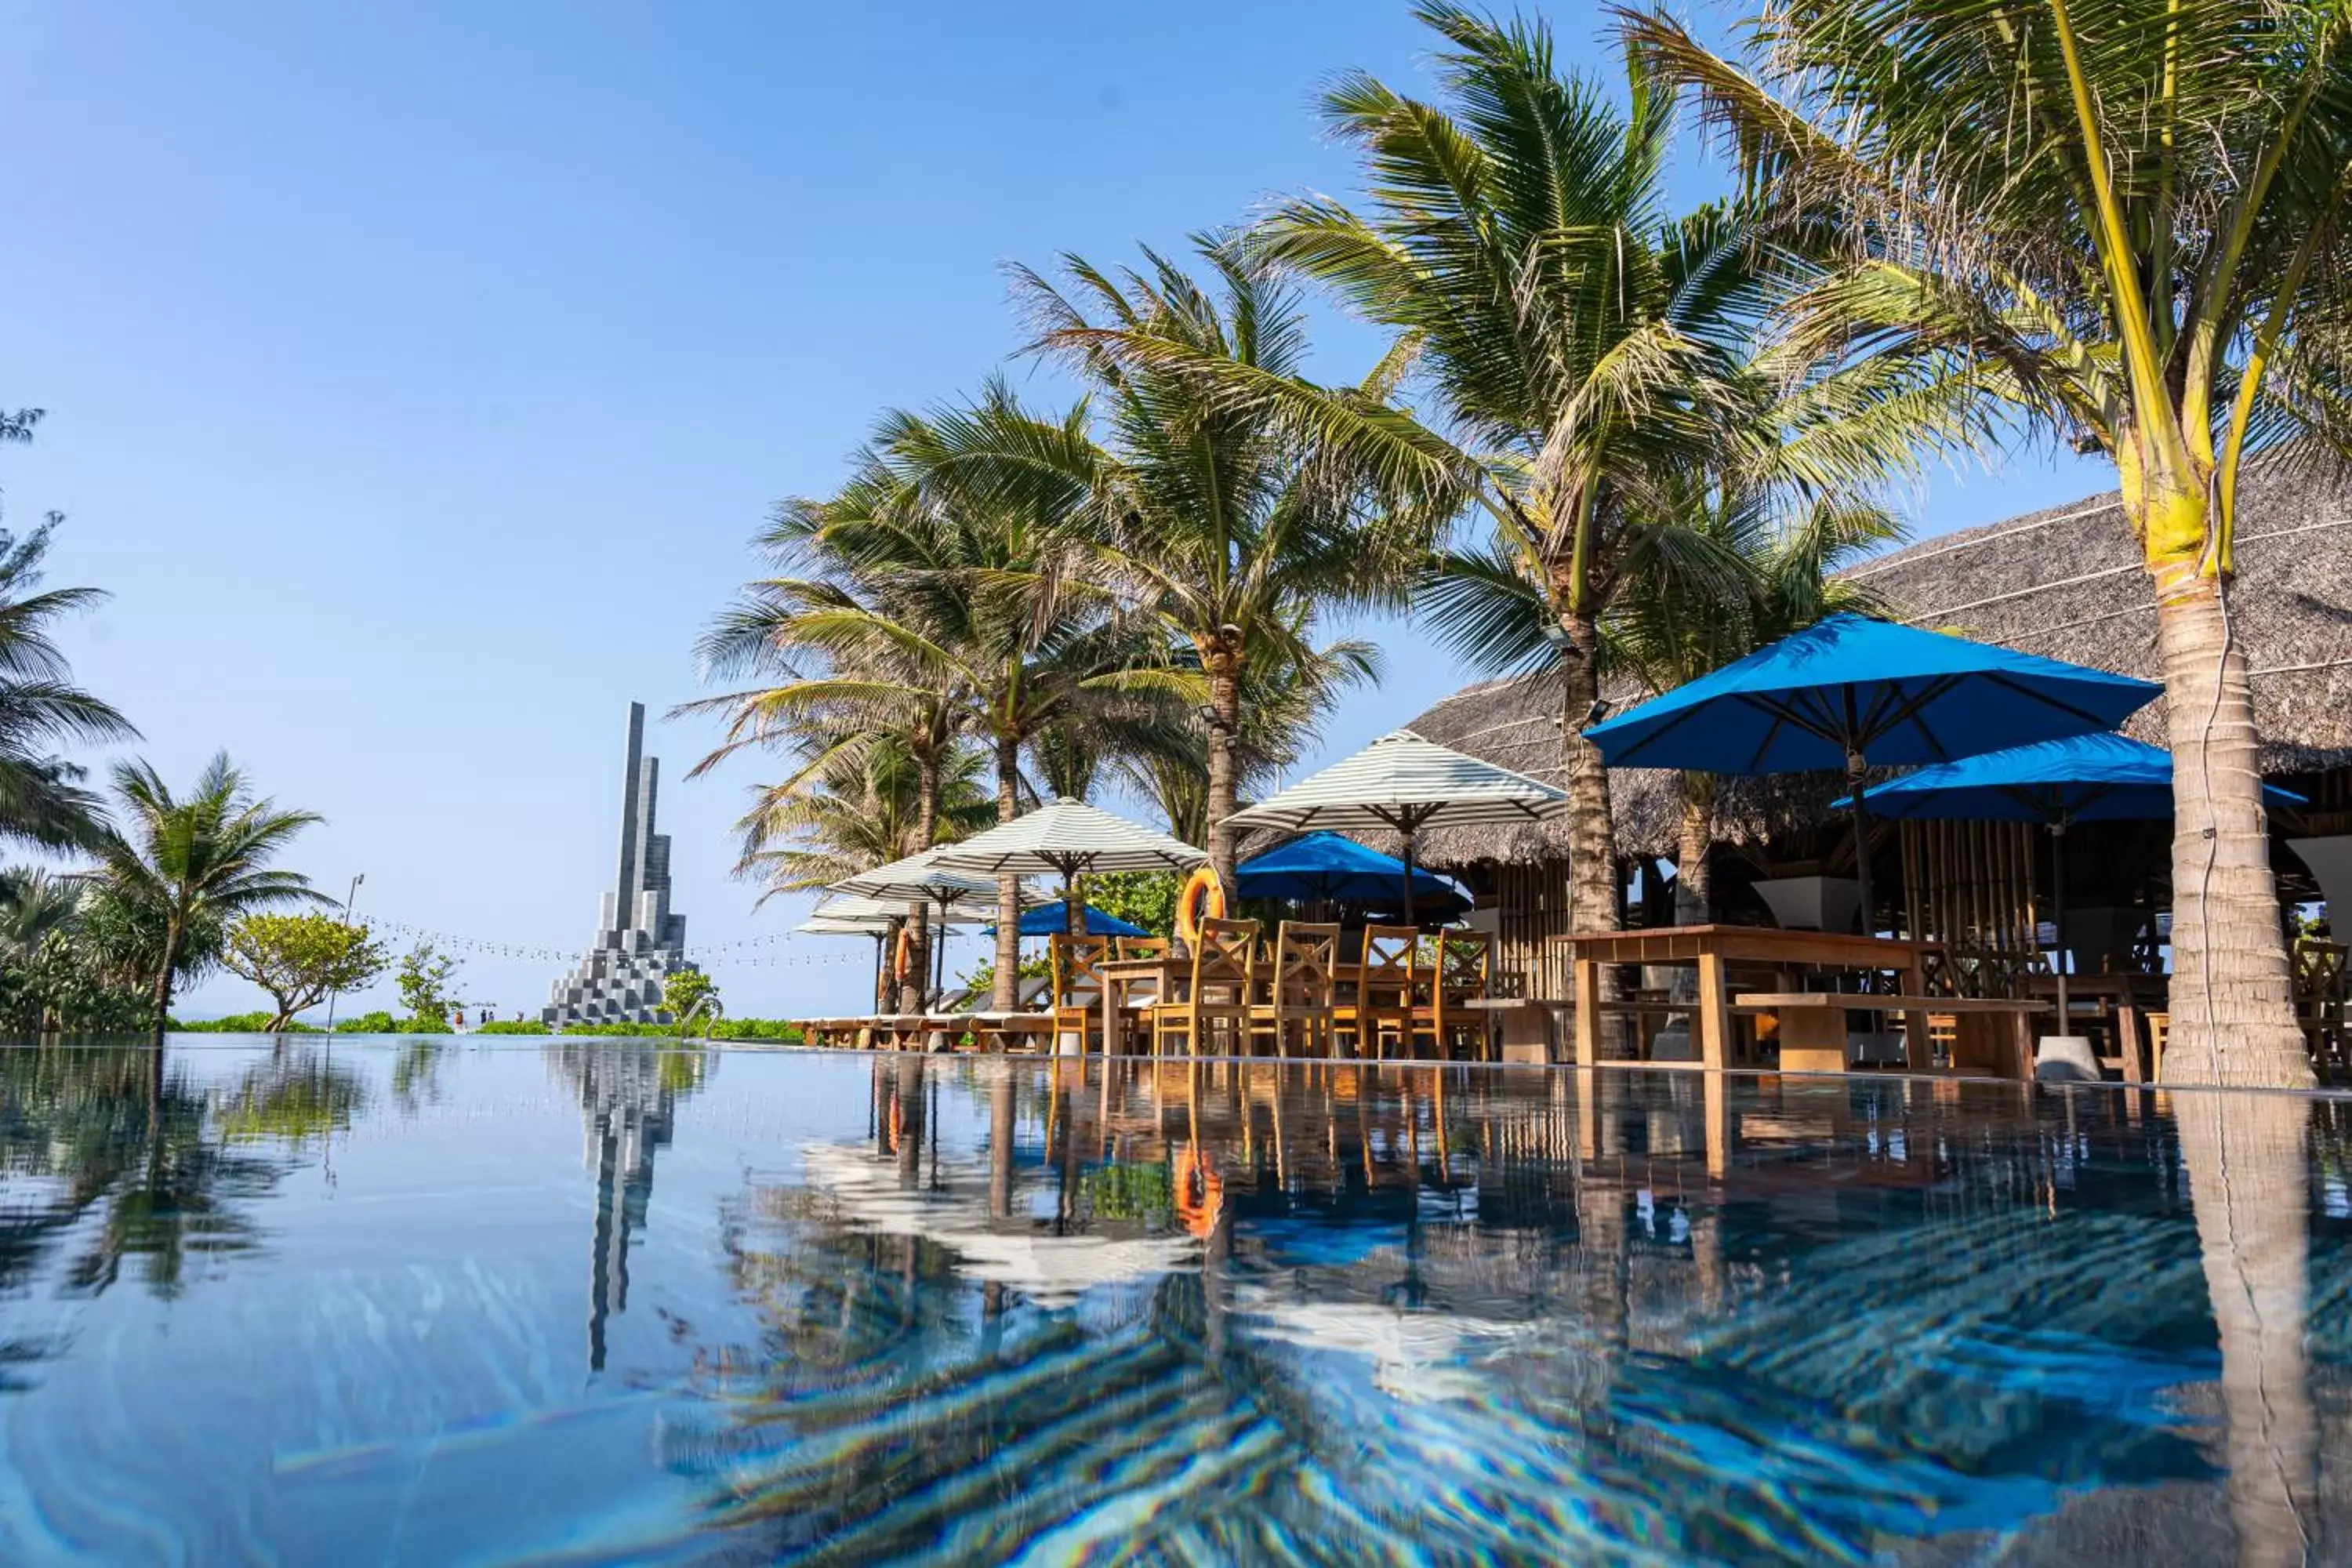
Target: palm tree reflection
116, 1133
2249, 1174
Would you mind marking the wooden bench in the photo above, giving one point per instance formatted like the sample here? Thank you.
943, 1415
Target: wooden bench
1991, 1034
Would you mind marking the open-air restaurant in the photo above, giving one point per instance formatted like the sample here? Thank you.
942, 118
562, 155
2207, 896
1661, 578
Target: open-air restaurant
1975, 764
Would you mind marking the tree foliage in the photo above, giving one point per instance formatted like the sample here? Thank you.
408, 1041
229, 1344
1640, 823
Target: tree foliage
182, 870
682, 989
425, 980
300, 959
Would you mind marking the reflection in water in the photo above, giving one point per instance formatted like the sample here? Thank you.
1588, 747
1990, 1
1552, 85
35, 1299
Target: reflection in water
109, 1156
2249, 1168
931, 1308
1508, 1313
627, 1093
299, 1095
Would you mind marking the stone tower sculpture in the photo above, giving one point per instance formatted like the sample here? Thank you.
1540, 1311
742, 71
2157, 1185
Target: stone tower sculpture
638, 940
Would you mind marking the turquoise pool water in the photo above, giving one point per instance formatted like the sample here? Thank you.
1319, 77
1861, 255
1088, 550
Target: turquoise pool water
424, 1302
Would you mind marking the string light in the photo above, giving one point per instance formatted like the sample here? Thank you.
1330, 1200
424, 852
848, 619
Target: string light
745, 952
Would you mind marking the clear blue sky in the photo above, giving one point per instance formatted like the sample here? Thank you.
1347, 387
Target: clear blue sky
417, 375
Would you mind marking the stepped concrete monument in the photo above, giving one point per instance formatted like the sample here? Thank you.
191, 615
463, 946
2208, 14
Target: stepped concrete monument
638, 940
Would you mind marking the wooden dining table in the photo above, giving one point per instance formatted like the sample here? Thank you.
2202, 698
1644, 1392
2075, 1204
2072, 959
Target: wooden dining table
2125, 1000
1119, 977
1711, 949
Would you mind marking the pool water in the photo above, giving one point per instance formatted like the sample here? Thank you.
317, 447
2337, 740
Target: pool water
423, 1301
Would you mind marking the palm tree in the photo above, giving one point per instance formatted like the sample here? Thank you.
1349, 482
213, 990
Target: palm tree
41, 800
2125, 223
1679, 622
36, 904
1578, 341
985, 595
860, 808
1283, 703
780, 634
1210, 503
189, 867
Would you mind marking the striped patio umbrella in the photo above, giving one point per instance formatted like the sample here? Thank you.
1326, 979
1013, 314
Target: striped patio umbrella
1405, 783
1070, 840
925, 879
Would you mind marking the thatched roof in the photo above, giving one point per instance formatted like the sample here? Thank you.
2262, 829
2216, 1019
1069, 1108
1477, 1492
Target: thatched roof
2066, 583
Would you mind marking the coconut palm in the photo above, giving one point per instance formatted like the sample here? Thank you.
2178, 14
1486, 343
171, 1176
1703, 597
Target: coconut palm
778, 635
41, 799
987, 596
189, 867
1283, 702
1679, 623
1210, 504
2125, 223
1720, 573
1576, 339
860, 808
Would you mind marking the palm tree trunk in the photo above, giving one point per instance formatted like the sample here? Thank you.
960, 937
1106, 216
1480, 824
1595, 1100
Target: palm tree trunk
1224, 782
1693, 876
1693, 880
163, 992
1005, 993
1591, 835
2249, 1181
927, 824
2232, 1006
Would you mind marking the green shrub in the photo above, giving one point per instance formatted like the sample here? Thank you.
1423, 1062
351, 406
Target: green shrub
757, 1029
513, 1026
1125, 1189
255, 1022
723, 1029
382, 1023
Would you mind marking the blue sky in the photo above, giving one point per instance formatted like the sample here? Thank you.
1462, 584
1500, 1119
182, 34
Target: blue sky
417, 375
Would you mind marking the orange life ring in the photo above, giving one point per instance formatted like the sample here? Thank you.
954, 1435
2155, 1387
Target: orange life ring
1200, 1193
905, 953
1202, 898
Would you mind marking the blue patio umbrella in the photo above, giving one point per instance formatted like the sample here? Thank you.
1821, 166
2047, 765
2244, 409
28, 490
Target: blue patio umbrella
1338, 870
2056, 784
1054, 918
1851, 692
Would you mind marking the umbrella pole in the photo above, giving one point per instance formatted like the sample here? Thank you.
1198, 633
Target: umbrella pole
880, 938
1408, 881
1854, 767
2058, 919
939, 954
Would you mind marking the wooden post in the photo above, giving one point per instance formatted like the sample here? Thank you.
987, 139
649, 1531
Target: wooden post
1588, 1113
1714, 1013
1588, 1011
1918, 1051
1717, 1090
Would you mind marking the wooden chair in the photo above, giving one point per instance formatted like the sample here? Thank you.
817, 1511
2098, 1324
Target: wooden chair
1137, 998
1461, 964
1298, 994
1224, 983
1382, 1010
1078, 989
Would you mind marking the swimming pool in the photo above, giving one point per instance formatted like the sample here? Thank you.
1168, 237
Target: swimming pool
598, 1301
